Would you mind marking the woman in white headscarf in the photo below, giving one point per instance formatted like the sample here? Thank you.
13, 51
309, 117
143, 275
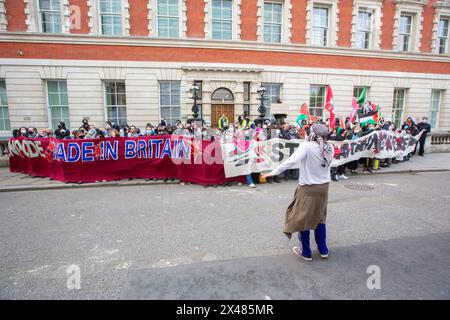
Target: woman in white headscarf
308, 209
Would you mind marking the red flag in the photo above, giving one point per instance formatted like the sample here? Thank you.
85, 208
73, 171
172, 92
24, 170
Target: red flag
329, 106
304, 109
355, 107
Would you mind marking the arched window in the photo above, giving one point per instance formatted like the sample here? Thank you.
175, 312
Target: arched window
222, 95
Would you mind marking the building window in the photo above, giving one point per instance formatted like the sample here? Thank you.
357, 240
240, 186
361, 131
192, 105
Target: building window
273, 13
273, 95
320, 26
398, 106
442, 40
50, 16
168, 19
170, 102
364, 27
317, 100
111, 17
222, 19
4, 113
199, 97
247, 99
116, 102
404, 36
434, 108
58, 103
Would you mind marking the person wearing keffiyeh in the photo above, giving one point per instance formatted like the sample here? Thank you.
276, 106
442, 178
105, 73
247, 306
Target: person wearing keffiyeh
308, 209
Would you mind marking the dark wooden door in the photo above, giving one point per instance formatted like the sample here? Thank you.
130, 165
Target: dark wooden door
218, 109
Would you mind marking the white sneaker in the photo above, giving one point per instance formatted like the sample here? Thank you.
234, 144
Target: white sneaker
252, 185
343, 177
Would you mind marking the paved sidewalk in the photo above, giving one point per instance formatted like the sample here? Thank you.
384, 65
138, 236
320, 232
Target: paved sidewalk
10, 181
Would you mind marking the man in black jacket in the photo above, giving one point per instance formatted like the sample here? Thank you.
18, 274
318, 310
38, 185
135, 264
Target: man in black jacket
424, 125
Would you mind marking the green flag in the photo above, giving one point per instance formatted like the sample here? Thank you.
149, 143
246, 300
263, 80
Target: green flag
362, 97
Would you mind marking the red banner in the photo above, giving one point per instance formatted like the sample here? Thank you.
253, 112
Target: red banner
90, 160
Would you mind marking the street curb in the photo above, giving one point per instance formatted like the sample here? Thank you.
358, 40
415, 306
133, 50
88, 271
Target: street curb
86, 185
149, 183
404, 171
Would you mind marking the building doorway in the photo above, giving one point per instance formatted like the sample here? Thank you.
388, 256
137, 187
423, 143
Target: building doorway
222, 102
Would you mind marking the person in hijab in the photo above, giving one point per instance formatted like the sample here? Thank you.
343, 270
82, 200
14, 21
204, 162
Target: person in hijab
308, 209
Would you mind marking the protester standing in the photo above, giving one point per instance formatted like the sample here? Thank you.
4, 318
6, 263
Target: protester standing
424, 125
308, 210
223, 123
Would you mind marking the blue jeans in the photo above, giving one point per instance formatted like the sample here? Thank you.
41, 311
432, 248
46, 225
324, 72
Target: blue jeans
249, 179
320, 237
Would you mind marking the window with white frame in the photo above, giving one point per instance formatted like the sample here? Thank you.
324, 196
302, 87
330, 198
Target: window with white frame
4, 112
116, 102
435, 107
405, 30
442, 39
320, 25
222, 19
50, 14
364, 28
273, 13
111, 17
58, 103
168, 18
170, 101
273, 95
317, 100
398, 106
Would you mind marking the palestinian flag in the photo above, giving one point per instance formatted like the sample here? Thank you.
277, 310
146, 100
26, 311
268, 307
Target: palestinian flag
303, 116
363, 96
369, 118
376, 109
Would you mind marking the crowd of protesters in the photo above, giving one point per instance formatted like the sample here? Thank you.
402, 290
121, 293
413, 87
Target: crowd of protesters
246, 129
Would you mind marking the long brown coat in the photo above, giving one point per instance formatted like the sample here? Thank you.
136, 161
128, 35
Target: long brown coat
307, 209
